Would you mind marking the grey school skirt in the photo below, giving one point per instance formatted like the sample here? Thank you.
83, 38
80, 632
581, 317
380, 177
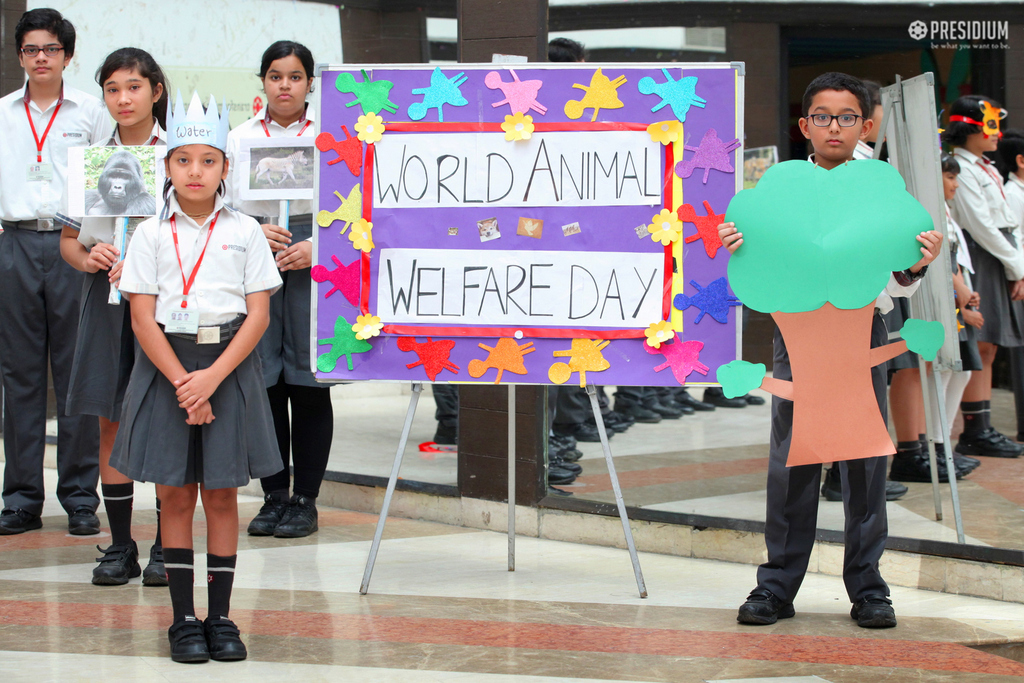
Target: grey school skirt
284, 348
155, 444
894, 321
104, 352
1004, 319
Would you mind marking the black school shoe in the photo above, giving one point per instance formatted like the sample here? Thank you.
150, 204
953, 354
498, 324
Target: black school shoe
753, 400
716, 397
988, 443
155, 574
299, 519
636, 412
118, 564
269, 516
683, 397
874, 611
559, 476
83, 522
18, 522
763, 608
223, 640
832, 487
188, 641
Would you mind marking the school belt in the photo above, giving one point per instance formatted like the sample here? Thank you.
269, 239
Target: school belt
35, 225
300, 218
211, 334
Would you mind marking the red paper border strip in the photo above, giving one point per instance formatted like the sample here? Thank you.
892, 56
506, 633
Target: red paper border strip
364, 265
528, 332
477, 127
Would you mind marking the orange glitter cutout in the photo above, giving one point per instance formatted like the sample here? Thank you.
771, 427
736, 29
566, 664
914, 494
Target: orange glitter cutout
505, 355
584, 355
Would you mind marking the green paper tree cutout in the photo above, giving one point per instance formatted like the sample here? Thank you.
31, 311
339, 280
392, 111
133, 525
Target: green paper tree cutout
372, 96
343, 343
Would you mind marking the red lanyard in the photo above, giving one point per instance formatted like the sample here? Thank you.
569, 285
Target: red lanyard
267, 130
993, 174
187, 284
39, 142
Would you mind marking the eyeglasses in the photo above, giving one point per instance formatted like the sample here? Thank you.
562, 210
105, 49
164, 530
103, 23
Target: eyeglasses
48, 50
825, 120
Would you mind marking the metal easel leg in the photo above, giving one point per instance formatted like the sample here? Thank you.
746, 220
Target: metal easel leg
511, 477
954, 491
413, 400
592, 393
930, 437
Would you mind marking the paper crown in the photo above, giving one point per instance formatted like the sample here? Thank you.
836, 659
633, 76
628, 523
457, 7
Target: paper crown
196, 126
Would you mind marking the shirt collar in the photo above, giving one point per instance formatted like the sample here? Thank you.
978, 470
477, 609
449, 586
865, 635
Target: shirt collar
172, 207
65, 93
1015, 179
158, 133
970, 157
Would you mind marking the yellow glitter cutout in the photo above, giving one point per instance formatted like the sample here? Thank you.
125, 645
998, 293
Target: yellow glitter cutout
584, 355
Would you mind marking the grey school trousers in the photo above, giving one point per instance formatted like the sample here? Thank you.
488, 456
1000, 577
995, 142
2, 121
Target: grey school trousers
39, 309
792, 510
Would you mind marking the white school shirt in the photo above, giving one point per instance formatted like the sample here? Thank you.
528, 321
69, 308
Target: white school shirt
981, 210
238, 177
81, 121
93, 230
1014, 191
237, 262
956, 236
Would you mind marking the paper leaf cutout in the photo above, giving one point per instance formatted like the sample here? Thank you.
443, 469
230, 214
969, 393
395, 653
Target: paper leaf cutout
600, 94
343, 343
739, 377
812, 236
714, 300
350, 150
712, 155
520, 96
345, 279
680, 95
682, 357
707, 227
442, 91
433, 355
923, 337
505, 355
350, 210
372, 96
584, 356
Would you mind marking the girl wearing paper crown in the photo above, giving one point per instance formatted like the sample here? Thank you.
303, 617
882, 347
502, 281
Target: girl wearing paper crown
287, 74
980, 208
196, 420
135, 92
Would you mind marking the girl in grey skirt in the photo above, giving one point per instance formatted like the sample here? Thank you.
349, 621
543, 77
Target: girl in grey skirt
195, 419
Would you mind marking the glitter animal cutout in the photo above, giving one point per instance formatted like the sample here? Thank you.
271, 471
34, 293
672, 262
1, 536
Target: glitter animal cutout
350, 210
680, 95
584, 356
350, 150
682, 357
714, 300
505, 355
707, 227
520, 96
600, 94
344, 279
372, 96
442, 91
712, 154
343, 343
433, 355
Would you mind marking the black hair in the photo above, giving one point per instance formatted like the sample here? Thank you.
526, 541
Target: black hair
566, 50
134, 59
950, 164
957, 132
51, 21
287, 48
1010, 145
833, 80
874, 94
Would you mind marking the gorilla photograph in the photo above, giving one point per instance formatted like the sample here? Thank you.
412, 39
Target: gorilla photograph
119, 181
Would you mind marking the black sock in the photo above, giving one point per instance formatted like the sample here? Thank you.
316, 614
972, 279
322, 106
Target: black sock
986, 414
180, 578
117, 499
158, 541
908, 449
974, 417
923, 438
220, 577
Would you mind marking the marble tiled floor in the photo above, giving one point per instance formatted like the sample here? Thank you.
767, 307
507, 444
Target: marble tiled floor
442, 607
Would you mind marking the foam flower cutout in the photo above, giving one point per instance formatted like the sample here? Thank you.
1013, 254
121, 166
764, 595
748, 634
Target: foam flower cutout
665, 132
370, 128
665, 228
367, 326
658, 333
518, 126
361, 235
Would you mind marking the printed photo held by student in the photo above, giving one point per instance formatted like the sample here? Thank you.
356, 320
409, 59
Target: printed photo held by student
40, 302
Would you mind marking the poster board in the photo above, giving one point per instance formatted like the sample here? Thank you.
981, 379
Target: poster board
466, 242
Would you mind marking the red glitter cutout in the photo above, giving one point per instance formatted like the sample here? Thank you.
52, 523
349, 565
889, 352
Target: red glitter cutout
345, 279
350, 150
707, 227
433, 355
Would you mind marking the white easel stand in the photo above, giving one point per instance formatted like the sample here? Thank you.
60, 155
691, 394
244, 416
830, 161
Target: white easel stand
930, 382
